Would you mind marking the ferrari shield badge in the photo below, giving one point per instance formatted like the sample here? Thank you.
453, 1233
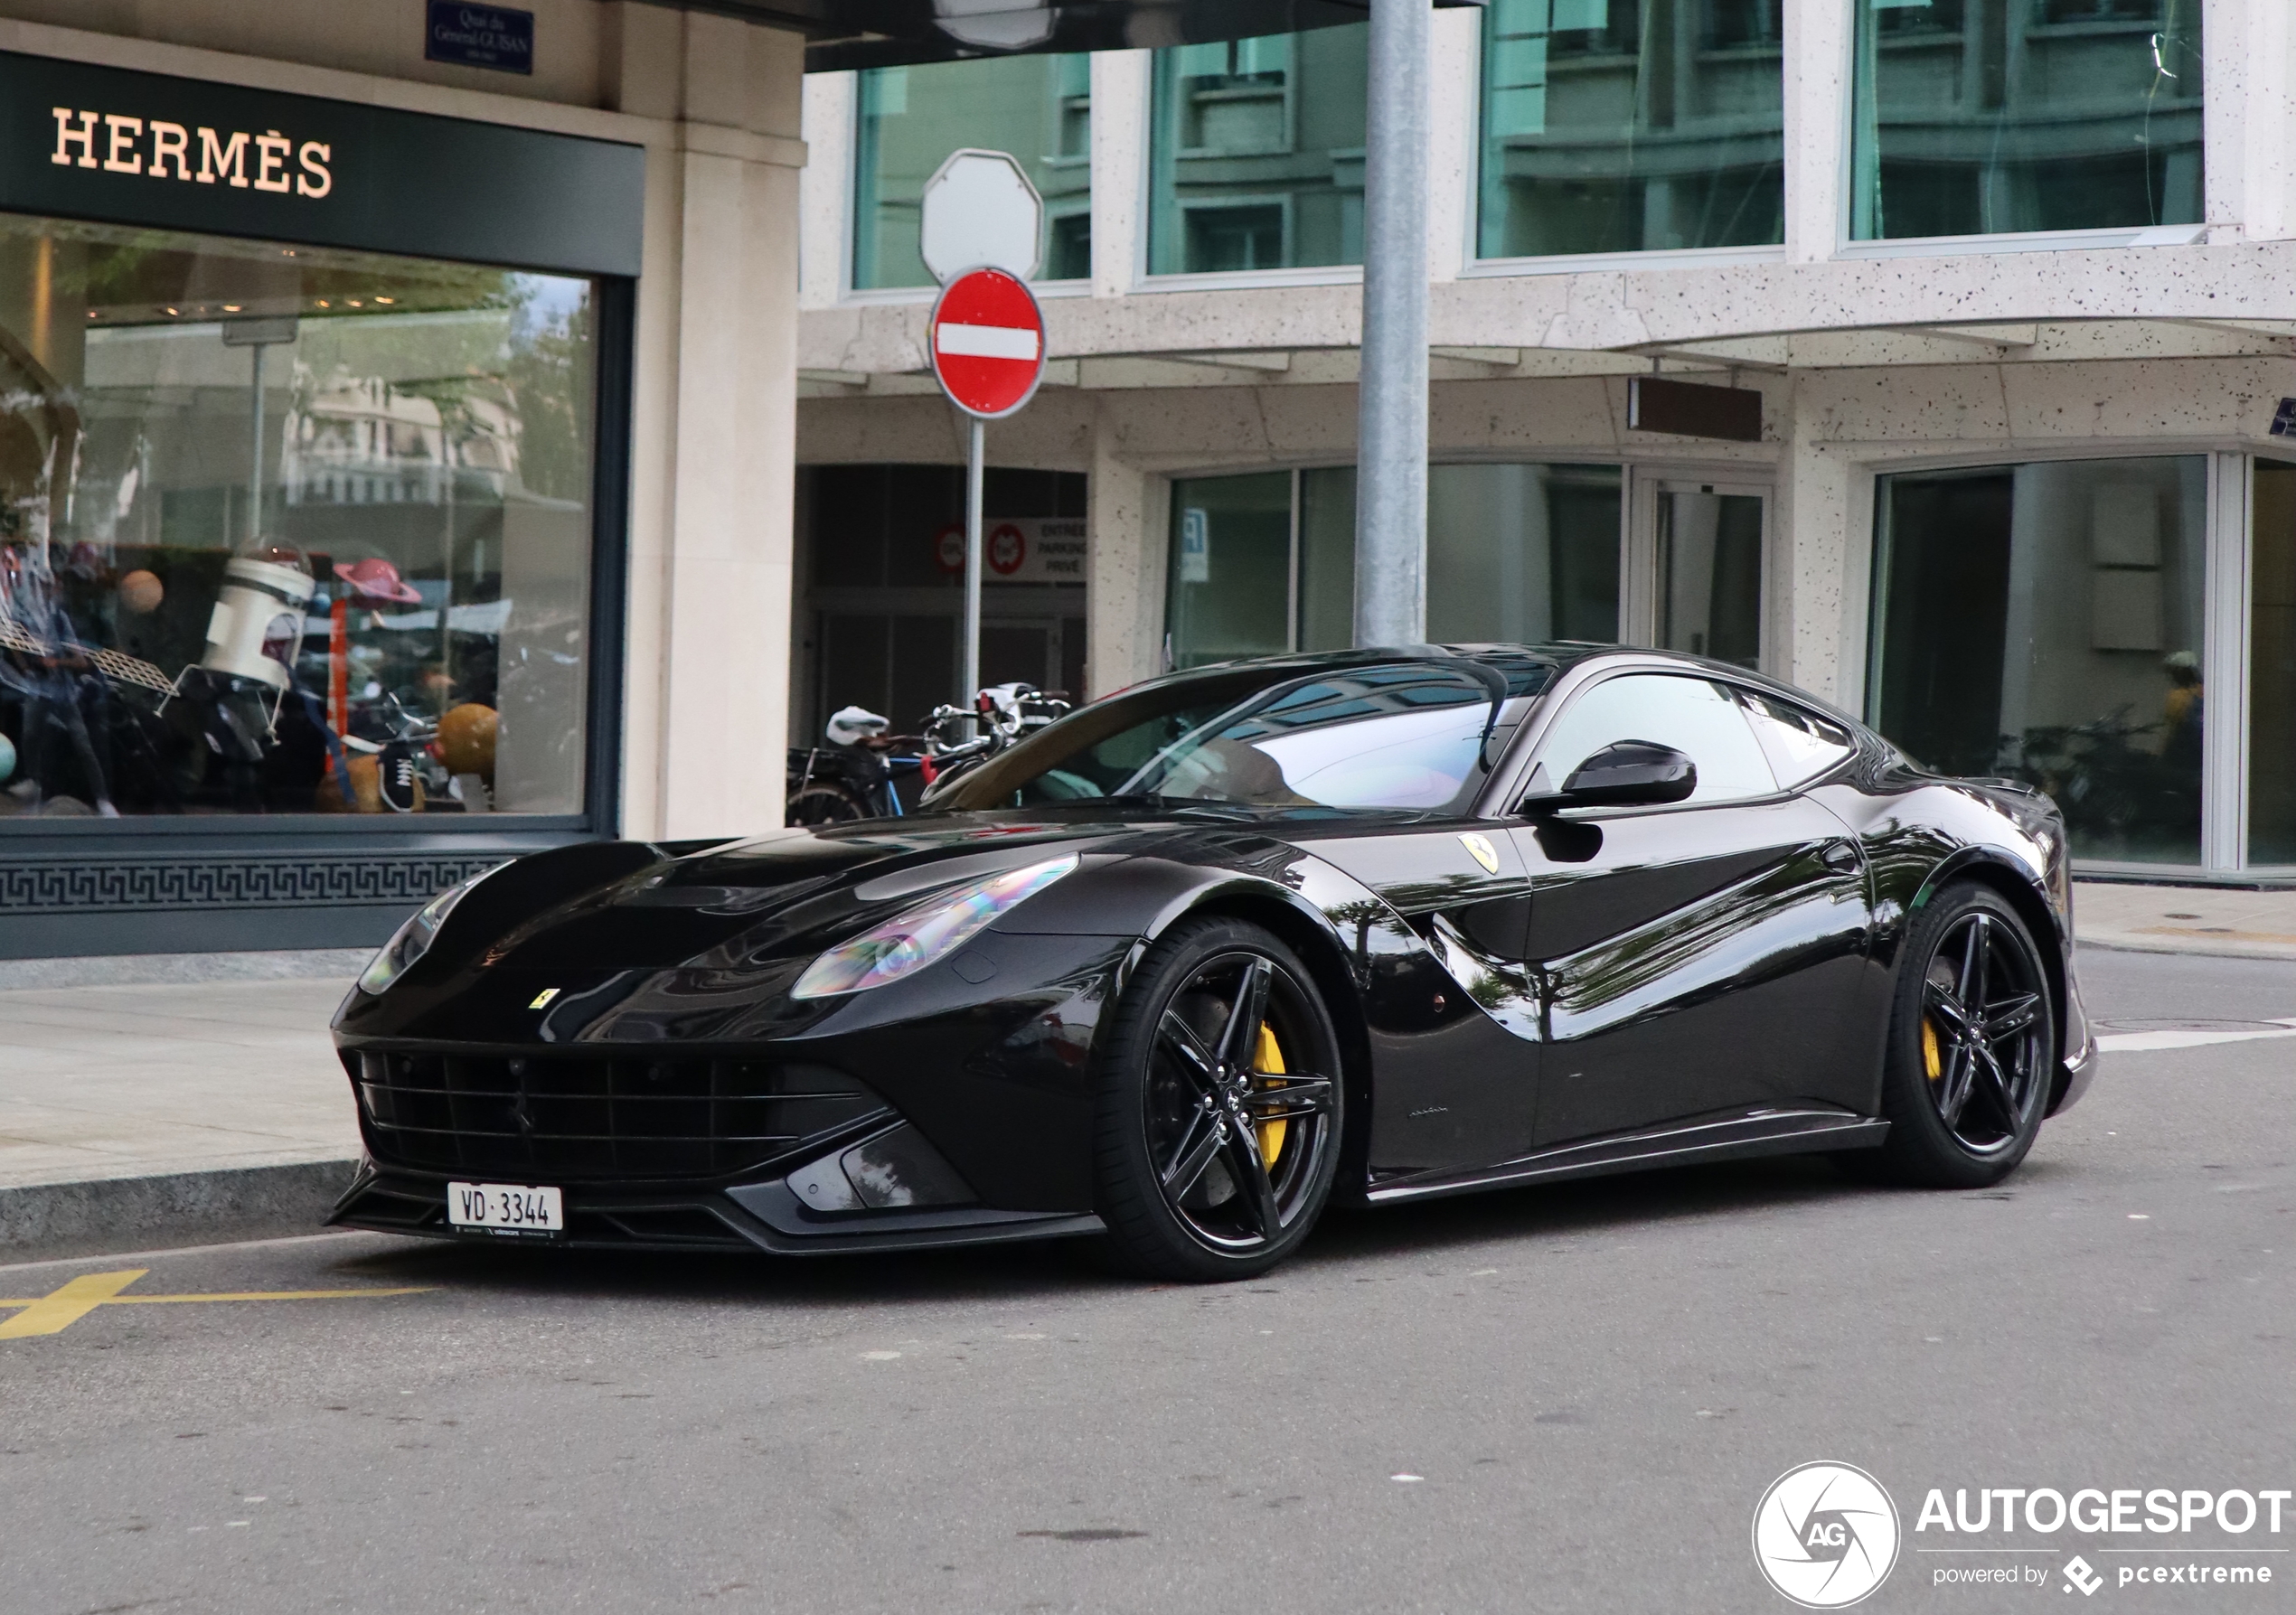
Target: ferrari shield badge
1484, 852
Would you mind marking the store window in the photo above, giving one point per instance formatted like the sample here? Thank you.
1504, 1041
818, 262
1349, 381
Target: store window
1231, 567
1037, 108
2044, 621
883, 569
2272, 662
1515, 554
1996, 117
1625, 126
288, 529
1256, 154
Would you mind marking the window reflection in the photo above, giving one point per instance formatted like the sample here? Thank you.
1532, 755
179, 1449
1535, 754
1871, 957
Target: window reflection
1256, 152
286, 530
2271, 696
2044, 621
1517, 554
1232, 556
1037, 108
1616, 126
1993, 116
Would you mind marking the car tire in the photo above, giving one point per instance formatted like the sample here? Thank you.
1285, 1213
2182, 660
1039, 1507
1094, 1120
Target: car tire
1191, 1100
1972, 1056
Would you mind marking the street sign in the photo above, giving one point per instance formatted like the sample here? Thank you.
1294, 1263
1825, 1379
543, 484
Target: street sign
980, 229
987, 341
979, 210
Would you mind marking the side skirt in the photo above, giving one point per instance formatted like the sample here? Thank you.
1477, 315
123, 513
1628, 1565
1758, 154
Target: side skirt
1729, 1138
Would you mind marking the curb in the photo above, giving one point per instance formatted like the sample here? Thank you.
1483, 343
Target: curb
176, 1209
2121, 942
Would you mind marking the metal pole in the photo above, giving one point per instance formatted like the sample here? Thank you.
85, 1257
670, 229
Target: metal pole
1391, 436
255, 476
972, 565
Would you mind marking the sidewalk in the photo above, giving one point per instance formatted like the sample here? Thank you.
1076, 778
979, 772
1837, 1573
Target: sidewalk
2186, 919
151, 1112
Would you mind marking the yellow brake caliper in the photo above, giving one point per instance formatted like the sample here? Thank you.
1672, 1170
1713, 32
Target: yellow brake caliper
1267, 1059
1930, 1060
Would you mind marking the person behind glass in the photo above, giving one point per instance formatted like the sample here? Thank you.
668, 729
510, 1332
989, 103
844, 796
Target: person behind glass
2181, 710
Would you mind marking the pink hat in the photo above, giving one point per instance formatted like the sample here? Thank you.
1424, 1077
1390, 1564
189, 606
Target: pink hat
375, 578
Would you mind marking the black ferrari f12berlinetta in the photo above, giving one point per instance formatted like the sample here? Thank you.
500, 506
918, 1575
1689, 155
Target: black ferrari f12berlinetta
1184, 966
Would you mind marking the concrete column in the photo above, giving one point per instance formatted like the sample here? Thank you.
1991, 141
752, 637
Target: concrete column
1815, 556
2266, 199
1120, 90
2227, 45
712, 531
1818, 35
1123, 564
1452, 131
827, 240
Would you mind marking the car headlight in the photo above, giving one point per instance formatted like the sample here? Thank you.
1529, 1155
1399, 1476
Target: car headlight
412, 940
916, 936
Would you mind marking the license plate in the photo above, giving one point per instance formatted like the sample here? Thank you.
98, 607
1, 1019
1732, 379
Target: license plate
505, 1208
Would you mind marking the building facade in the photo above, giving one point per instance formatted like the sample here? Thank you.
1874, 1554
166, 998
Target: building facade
395, 467
2011, 277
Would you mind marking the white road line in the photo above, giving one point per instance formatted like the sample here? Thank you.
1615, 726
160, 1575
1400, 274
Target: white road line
2190, 1037
986, 342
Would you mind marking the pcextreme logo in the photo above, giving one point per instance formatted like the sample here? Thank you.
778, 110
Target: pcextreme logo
1825, 1534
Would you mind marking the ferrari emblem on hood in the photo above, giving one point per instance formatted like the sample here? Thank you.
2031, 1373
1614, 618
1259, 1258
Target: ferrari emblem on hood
543, 998
1484, 852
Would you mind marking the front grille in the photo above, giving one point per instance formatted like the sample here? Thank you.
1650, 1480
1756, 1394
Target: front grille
575, 1119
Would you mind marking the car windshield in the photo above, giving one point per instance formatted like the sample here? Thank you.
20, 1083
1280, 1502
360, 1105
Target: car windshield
1412, 735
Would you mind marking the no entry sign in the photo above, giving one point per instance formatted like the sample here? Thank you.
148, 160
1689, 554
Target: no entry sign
987, 337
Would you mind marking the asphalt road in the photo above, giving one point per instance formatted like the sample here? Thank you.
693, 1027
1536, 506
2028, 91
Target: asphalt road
1569, 1398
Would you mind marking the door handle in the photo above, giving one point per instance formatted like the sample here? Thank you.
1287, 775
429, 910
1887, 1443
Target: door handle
1839, 855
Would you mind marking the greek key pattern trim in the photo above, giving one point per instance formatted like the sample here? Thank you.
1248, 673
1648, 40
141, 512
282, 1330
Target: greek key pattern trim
317, 880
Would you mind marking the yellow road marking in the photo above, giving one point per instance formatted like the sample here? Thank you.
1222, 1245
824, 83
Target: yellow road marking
60, 1308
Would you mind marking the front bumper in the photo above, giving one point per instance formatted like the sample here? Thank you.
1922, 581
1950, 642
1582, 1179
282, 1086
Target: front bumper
929, 1112
748, 1217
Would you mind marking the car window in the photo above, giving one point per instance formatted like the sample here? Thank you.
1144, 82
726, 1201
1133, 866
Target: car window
1694, 716
1409, 735
1801, 744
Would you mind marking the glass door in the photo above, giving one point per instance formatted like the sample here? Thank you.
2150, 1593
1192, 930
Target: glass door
1707, 542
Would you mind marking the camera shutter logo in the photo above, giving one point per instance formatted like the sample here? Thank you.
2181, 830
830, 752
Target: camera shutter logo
1825, 1534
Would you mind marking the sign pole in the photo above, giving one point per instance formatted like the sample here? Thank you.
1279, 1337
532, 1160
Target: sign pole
980, 230
1391, 455
972, 478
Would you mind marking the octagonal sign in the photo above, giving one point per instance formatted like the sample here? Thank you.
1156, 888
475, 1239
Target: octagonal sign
980, 212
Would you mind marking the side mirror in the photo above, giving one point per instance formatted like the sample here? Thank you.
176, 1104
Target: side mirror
1631, 774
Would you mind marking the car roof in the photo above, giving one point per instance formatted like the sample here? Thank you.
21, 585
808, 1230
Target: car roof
1558, 656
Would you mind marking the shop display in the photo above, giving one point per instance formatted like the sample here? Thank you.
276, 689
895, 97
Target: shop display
287, 532
141, 593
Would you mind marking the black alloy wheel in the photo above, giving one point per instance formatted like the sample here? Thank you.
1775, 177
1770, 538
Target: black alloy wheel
1221, 1106
1972, 1046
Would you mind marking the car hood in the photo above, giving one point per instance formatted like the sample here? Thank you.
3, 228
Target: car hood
640, 908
